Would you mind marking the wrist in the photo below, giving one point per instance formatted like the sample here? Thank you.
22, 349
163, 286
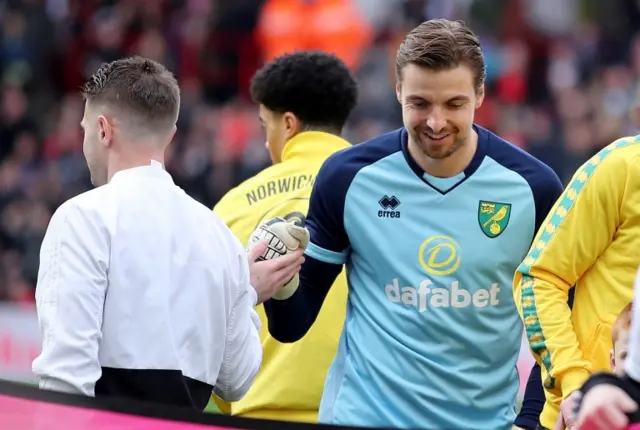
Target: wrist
573, 381
253, 296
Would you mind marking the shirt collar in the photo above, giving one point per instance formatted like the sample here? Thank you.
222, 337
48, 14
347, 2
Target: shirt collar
155, 169
313, 144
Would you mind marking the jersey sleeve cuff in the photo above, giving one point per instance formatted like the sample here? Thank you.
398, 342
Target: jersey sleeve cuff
326, 256
573, 381
526, 422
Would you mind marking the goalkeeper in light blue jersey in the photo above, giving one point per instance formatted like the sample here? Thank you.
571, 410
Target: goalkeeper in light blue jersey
431, 222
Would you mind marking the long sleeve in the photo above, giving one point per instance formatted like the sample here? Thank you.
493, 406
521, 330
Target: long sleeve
547, 189
291, 319
243, 350
563, 250
70, 295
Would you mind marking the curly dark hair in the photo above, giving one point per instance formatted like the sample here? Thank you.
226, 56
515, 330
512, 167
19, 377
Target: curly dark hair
139, 87
315, 86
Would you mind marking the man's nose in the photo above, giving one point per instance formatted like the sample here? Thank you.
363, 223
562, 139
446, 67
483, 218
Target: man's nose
436, 122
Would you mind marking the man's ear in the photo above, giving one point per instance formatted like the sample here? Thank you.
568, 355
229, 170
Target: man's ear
479, 96
173, 133
399, 92
612, 360
105, 130
292, 125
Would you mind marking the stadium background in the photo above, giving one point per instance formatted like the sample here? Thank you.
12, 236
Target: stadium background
563, 81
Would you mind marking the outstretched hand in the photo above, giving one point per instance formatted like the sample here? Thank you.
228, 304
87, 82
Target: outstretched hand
605, 407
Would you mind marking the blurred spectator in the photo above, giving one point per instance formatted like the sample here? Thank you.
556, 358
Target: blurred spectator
336, 26
563, 80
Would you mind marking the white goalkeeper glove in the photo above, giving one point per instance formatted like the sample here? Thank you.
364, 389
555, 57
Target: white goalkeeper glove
281, 237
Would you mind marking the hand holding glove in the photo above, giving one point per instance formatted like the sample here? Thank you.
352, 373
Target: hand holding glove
282, 238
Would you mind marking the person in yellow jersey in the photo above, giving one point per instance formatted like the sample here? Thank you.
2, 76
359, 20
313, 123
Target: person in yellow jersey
589, 239
304, 100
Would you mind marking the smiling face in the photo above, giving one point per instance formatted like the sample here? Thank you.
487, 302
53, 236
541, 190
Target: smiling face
438, 107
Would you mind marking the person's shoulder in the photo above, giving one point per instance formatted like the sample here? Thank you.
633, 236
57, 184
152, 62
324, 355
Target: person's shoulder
611, 168
203, 216
513, 157
342, 166
538, 174
238, 191
86, 203
212, 230
237, 196
623, 151
83, 212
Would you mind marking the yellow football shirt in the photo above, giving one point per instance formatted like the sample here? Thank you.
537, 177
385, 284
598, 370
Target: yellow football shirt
290, 383
590, 239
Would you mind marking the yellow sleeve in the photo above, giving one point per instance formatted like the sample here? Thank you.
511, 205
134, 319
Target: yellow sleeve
577, 230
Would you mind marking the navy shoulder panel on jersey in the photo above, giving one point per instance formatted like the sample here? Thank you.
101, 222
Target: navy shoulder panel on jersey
543, 181
325, 219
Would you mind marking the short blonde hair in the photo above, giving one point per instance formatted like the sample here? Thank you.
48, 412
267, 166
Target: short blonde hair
622, 323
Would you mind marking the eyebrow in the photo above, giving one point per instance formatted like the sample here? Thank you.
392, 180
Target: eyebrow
459, 98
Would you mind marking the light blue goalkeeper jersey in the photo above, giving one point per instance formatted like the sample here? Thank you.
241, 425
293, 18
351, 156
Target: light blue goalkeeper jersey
432, 333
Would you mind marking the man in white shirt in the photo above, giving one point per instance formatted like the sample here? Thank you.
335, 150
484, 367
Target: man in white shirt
143, 292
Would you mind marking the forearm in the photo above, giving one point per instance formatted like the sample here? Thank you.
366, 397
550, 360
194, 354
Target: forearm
547, 318
243, 351
289, 320
69, 358
68, 361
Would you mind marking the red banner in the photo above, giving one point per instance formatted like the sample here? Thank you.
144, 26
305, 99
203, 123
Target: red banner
23, 414
25, 407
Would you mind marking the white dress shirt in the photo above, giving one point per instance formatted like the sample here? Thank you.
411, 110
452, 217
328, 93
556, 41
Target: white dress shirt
143, 292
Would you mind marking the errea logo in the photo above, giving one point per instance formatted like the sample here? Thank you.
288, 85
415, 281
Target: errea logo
389, 205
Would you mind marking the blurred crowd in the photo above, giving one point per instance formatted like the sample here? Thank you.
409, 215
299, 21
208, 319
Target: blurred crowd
563, 81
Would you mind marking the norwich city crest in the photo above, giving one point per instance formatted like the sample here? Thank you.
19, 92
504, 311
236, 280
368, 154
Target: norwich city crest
493, 217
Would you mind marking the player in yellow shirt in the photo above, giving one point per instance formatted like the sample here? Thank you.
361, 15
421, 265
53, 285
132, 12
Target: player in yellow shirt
305, 99
589, 239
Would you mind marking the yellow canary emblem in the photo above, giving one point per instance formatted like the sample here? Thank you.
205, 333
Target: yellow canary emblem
493, 217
